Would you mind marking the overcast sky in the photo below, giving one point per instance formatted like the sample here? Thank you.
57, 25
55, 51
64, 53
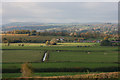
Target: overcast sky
59, 12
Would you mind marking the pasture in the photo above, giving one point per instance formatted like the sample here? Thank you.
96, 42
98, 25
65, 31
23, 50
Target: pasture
73, 47
46, 65
76, 56
58, 44
62, 59
43, 74
22, 55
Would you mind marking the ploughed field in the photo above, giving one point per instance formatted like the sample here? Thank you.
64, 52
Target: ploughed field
63, 60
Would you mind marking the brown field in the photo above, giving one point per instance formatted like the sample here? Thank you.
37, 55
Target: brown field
14, 34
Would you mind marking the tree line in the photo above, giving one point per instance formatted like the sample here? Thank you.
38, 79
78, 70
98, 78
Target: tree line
86, 35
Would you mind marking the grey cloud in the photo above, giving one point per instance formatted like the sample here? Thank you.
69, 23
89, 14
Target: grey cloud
59, 12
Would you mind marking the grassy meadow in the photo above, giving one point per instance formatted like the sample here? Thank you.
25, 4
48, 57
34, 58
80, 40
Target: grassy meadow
22, 55
62, 59
97, 56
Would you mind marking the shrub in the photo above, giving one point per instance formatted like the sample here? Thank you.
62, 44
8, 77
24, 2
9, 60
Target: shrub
47, 42
26, 70
106, 43
22, 45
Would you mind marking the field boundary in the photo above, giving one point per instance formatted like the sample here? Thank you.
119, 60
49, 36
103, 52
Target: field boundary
80, 69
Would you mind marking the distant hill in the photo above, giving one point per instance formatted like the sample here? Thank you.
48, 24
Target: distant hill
21, 24
69, 27
27, 26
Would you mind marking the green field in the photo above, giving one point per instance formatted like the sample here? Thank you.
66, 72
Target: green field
60, 65
59, 56
107, 56
56, 47
63, 59
58, 44
22, 55
43, 74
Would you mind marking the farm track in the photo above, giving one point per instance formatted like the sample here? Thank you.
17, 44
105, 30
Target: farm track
44, 56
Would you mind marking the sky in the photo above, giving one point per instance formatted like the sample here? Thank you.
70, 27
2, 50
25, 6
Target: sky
60, 0
59, 12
